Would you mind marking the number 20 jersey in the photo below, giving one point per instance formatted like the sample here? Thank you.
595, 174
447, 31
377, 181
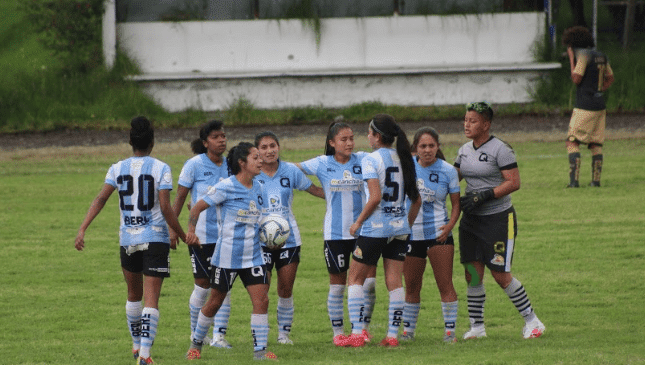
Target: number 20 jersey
138, 181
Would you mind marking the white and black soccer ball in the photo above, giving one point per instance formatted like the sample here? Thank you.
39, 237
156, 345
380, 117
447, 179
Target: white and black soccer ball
274, 231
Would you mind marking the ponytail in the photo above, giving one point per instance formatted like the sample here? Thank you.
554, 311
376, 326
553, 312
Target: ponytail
141, 133
235, 154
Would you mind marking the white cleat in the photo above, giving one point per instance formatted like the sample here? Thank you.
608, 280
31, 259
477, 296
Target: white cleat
284, 340
475, 332
220, 341
533, 329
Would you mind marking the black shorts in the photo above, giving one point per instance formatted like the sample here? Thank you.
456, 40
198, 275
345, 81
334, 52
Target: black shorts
280, 258
489, 239
152, 259
200, 259
369, 249
420, 248
337, 254
223, 279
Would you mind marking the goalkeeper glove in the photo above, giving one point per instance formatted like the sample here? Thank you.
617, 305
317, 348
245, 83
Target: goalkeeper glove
471, 201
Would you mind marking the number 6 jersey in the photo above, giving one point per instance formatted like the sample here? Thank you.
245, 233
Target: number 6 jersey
138, 181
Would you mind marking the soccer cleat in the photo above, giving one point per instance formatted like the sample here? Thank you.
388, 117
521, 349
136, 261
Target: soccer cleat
220, 341
355, 340
264, 355
407, 336
143, 361
135, 354
389, 342
573, 185
533, 329
449, 337
367, 335
284, 340
340, 340
194, 354
595, 184
475, 332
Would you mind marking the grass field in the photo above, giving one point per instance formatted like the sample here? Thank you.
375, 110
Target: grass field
580, 255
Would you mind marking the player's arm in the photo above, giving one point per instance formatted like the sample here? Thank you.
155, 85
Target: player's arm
316, 191
375, 198
170, 216
608, 78
455, 211
511, 183
180, 199
577, 66
95, 209
195, 211
414, 211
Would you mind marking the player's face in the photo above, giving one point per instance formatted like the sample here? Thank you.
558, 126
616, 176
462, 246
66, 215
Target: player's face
427, 149
253, 163
343, 142
216, 142
475, 125
269, 150
373, 139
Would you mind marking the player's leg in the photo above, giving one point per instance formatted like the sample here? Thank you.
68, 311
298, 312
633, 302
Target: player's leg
256, 282
393, 259
337, 254
134, 307
413, 268
369, 291
597, 139
441, 259
469, 249
286, 268
573, 151
578, 132
200, 261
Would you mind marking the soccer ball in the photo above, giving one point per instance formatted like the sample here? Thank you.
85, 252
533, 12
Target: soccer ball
274, 231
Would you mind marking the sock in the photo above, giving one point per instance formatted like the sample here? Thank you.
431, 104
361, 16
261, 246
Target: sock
476, 300
335, 308
355, 301
220, 323
196, 302
133, 313
397, 298
410, 315
574, 168
285, 315
201, 329
260, 331
449, 310
596, 168
520, 299
149, 322
369, 288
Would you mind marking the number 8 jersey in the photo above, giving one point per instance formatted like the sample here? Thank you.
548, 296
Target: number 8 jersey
138, 181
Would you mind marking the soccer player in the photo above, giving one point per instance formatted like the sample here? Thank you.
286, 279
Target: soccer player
592, 74
339, 173
197, 176
144, 185
431, 234
488, 227
238, 253
279, 179
383, 224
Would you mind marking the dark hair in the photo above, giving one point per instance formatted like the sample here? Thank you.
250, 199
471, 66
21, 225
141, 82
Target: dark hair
482, 108
141, 134
259, 136
433, 133
197, 145
386, 127
235, 154
577, 37
334, 128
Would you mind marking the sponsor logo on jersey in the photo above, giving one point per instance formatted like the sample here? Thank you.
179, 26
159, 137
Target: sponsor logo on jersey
285, 183
357, 169
483, 157
497, 260
134, 231
499, 247
208, 173
434, 178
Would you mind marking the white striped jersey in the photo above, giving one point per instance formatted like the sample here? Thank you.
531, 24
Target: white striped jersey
278, 191
138, 181
390, 218
435, 183
199, 174
238, 246
344, 192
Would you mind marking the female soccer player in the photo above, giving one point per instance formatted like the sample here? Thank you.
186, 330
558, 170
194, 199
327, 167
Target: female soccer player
384, 223
198, 175
279, 180
239, 199
144, 185
432, 233
339, 172
488, 227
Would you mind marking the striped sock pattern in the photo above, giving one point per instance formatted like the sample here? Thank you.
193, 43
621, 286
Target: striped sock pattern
201, 329
260, 331
410, 316
397, 300
335, 307
354, 306
285, 314
517, 295
476, 300
220, 323
149, 322
449, 310
133, 314
195, 304
369, 288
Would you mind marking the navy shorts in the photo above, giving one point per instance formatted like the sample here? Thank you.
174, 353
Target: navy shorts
280, 258
369, 249
152, 259
223, 279
489, 239
420, 248
337, 254
200, 259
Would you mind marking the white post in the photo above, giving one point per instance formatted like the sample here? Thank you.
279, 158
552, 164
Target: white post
595, 22
109, 33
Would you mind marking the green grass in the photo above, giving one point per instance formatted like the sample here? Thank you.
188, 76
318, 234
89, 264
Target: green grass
579, 254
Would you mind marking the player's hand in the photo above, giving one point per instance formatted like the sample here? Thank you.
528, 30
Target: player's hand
192, 240
353, 229
79, 242
174, 238
471, 201
445, 232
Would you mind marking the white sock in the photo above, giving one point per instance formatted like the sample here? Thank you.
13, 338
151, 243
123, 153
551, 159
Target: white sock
397, 298
133, 314
149, 323
355, 298
195, 303
335, 308
285, 315
369, 287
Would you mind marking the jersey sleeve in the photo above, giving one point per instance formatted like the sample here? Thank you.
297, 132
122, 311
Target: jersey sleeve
457, 163
506, 157
453, 183
166, 178
310, 167
302, 182
110, 177
187, 175
216, 194
368, 167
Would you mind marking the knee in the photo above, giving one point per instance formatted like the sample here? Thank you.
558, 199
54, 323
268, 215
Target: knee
261, 305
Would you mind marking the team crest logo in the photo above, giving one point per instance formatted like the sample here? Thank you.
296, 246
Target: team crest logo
499, 247
420, 184
358, 253
497, 260
253, 208
347, 175
167, 177
274, 201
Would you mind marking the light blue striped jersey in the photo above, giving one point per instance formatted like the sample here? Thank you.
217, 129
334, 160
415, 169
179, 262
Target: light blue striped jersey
238, 246
390, 218
199, 174
344, 192
435, 183
138, 181
278, 191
